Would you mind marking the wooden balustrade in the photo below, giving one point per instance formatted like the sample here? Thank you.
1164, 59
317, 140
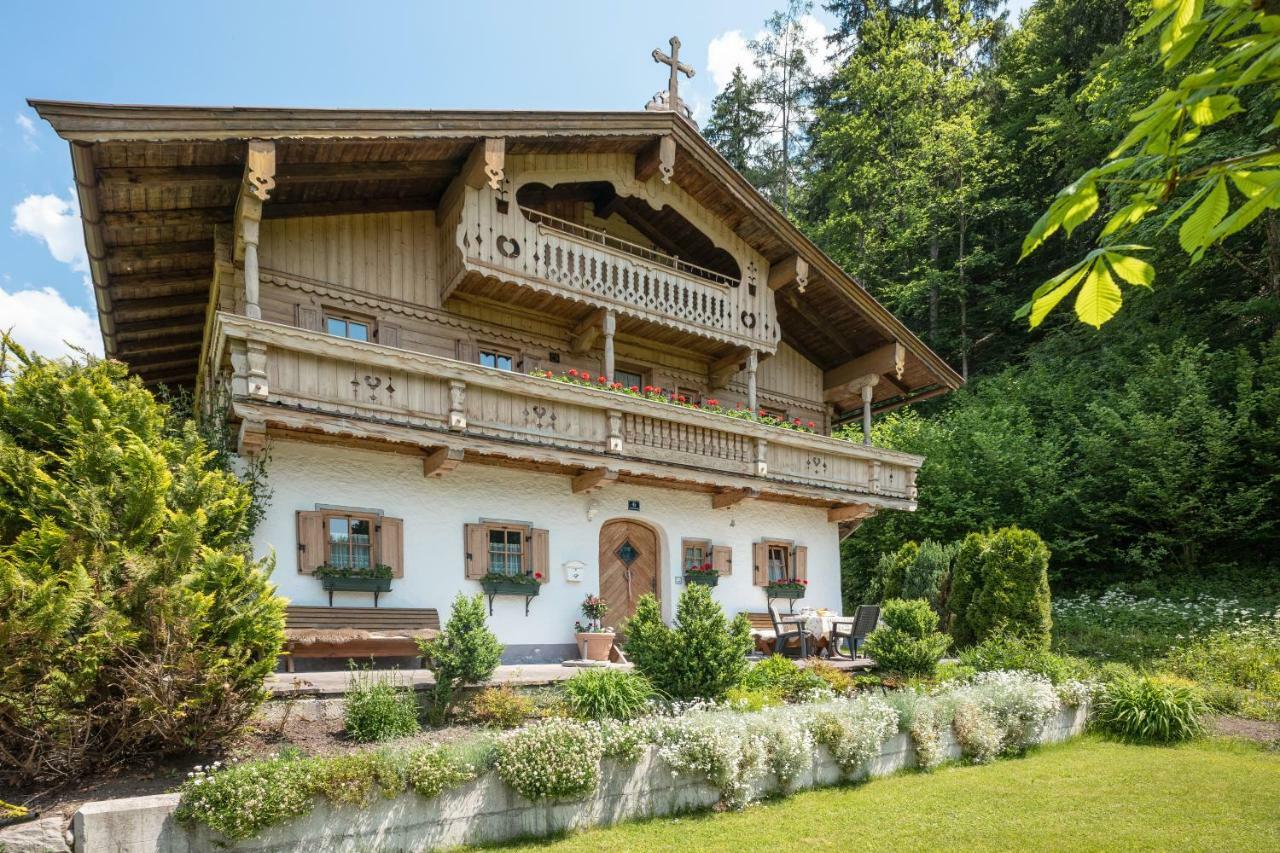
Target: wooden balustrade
283, 369
555, 256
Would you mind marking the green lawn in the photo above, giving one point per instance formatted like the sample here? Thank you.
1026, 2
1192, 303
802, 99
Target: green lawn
1086, 795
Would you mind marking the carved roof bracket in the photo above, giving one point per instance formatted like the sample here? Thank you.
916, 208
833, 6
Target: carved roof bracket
658, 158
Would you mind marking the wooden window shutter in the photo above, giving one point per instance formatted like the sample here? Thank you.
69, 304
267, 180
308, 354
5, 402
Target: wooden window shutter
722, 559
475, 544
307, 317
310, 541
389, 334
800, 563
391, 545
540, 553
465, 350
760, 564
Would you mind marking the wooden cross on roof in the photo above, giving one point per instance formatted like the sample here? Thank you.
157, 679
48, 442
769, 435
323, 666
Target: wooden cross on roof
677, 68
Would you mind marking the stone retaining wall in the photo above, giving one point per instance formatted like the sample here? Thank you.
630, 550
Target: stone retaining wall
484, 810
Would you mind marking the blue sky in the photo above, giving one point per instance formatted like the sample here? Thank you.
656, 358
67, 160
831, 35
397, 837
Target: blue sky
553, 54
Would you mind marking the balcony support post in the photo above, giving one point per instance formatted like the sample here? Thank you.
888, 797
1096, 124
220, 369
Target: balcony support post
753, 362
867, 391
610, 326
258, 181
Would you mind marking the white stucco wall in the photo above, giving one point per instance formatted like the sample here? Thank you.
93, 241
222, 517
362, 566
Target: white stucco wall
434, 510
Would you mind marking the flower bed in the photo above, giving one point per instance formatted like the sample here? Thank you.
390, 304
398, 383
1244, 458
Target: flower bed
663, 395
736, 755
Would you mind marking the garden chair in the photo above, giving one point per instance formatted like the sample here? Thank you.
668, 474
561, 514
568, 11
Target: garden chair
854, 630
790, 635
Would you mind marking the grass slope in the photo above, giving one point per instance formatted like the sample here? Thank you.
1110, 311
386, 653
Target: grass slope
1086, 795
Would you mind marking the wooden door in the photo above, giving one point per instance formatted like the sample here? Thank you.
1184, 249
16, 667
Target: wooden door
628, 567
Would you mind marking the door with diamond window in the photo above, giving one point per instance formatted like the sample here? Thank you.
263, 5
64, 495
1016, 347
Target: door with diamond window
628, 567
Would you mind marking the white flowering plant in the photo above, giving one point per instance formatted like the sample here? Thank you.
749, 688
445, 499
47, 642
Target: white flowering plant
853, 729
552, 759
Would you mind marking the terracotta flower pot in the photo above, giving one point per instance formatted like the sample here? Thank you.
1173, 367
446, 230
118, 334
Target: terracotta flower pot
594, 645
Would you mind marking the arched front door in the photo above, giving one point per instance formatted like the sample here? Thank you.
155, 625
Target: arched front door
628, 567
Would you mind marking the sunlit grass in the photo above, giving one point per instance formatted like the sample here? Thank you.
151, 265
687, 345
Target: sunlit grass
1086, 795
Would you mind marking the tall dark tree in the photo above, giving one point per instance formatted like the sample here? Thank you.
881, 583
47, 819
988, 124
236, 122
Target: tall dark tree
737, 125
786, 79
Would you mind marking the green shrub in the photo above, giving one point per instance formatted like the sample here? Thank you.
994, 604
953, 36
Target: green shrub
914, 571
840, 682
907, 641
135, 621
500, 707
466, 652
744, 699
551, 759
431, 770
1006, 651
1147, 709
242, 800
379, 707
891, 571
700, 656
781, 676
1112, 671
1000, 583
607, 694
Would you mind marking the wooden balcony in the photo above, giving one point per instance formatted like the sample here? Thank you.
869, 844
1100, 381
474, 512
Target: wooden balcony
548, 256
282, 378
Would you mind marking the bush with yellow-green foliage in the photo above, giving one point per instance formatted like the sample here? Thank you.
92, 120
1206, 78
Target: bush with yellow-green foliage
136, 622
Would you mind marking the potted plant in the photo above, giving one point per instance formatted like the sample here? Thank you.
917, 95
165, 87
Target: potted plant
703, 574
594, 640
375, 579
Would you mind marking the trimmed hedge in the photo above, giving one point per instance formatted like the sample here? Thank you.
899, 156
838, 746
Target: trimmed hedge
1000, 584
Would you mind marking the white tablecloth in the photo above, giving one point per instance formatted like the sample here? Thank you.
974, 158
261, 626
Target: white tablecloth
816, 623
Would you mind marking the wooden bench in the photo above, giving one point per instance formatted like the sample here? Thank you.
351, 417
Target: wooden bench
356, 632
761, 631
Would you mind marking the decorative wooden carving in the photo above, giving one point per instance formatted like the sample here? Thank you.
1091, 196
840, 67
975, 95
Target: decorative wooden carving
588, 331
593, 480
762, 457
259, 179
257, 369
260, 169
792, 269
457, 404
888, 359
658, 158
486, 165
615, 431
441, 461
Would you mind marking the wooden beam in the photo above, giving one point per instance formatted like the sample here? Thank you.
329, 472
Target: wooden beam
841, 394
793, 269
143, 285
732, 497
587, 331
486, 164
658, 158
822, 324
151, 251
161, 342
298, 173
850, 512
726, 367
189, 176
150, 359
152, 304
593, 480
188, 217
442, 461
888, 359
187, 322
350, 206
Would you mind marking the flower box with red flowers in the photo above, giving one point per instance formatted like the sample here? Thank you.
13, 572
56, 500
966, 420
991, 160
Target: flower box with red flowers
704, 574
497, 583
787, 588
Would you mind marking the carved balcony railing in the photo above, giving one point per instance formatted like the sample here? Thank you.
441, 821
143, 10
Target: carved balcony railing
300, 379
562, 258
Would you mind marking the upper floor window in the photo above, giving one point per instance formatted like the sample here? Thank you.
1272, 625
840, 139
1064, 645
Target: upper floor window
689, 395
494, 357
347, 327
628, 378
349, 541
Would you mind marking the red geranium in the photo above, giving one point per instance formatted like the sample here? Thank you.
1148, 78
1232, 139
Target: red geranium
634, 389
537, 576
796, 421
648, 389
713, 402
602, 379
573, 372
804, 583
706, 567
812, 425
763, 413
617, 386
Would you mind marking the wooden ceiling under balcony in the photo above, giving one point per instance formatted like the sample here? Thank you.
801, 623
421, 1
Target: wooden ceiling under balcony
154, 182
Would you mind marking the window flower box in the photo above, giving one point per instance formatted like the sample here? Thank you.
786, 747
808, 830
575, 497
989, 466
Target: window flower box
788, 589
376, 580
704, 575
497, 583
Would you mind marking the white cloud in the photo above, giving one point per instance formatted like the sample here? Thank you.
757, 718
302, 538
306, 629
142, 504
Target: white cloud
55, 221
43, 322
28, 128
732, 49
